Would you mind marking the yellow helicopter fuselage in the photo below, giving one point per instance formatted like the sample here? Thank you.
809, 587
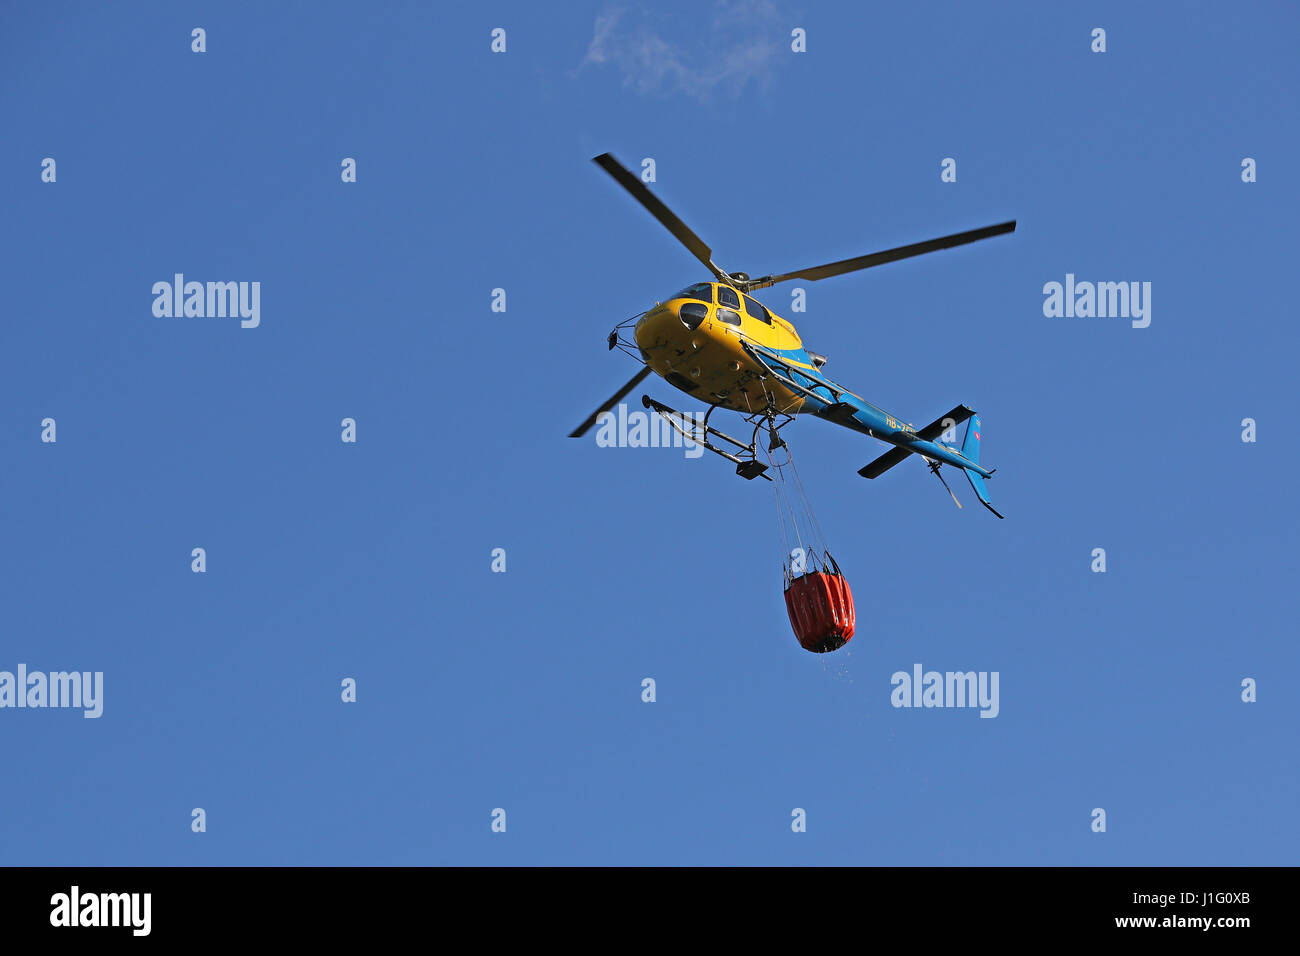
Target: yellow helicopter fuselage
696, 341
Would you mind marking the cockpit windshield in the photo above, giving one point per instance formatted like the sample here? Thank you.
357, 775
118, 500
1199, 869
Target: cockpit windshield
702, 291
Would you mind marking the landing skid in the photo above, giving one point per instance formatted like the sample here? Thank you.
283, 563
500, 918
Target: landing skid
745, 456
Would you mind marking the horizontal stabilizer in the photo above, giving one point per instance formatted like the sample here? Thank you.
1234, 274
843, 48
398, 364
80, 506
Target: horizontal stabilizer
882, 464
940, 425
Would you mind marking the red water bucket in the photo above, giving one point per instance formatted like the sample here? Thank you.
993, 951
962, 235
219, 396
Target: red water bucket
821, 611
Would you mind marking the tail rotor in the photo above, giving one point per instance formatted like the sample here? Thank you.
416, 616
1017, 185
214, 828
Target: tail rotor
934, 470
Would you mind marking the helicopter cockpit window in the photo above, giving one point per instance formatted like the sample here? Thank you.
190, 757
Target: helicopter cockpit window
701, 291
727, 296
757, 311
729, 316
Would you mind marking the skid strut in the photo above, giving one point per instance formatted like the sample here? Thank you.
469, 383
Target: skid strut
745, 455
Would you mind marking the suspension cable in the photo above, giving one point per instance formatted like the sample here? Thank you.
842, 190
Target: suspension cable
792, 499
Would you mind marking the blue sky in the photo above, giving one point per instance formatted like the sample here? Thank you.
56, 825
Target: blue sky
522, 690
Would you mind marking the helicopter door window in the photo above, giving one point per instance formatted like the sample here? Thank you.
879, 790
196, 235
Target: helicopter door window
730, 316
757, 311
727, 296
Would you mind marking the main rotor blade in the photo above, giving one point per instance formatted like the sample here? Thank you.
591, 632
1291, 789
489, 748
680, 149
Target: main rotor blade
889, 255
613, 400
661, 212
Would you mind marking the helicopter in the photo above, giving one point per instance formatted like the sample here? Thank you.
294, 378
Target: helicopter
718, 344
